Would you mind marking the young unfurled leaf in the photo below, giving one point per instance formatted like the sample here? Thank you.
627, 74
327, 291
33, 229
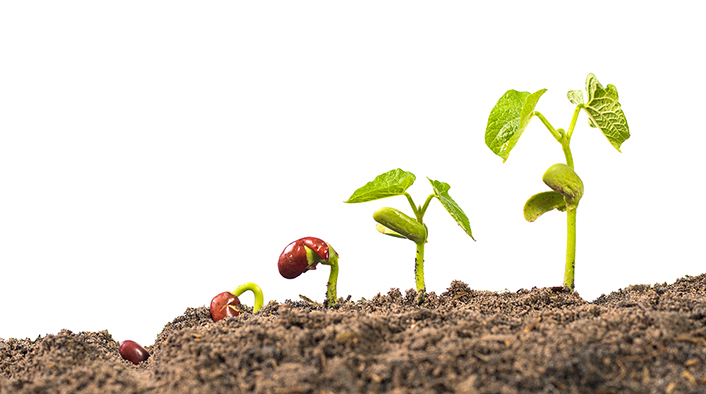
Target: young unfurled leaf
392, 183
541, 203
441, 191
604, 111
508, 120
575, 96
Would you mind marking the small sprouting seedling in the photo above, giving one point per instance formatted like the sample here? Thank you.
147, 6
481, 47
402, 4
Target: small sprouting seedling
303, 255
133, 352
397, 224
226, 304
510, 117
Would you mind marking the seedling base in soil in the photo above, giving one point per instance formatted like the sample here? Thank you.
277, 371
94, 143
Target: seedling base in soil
640, 339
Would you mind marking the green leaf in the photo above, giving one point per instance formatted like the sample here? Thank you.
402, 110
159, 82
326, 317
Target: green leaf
391, 183
604, 112
508, 120
441, 191
575, 96
541, 203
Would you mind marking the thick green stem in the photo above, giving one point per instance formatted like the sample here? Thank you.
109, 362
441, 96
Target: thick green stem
331, 295
257, 291
567, 152
419, 272
570, 248
564, 139
419, 259
570, 222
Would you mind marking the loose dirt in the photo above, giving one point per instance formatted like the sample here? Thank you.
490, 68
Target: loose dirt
642, 339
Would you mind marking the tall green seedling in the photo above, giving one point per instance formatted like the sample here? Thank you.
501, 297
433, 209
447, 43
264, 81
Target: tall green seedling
510, 117
395, 223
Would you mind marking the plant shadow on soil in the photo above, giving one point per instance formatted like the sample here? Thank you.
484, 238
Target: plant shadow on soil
642, 339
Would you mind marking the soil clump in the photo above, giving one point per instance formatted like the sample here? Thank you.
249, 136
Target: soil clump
642, 339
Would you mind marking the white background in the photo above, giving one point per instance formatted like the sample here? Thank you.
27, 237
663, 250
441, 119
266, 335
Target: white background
154, 154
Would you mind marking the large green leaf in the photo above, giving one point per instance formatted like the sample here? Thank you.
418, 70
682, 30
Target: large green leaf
604, 111
391, 183
508, 120
541, 203
441, 191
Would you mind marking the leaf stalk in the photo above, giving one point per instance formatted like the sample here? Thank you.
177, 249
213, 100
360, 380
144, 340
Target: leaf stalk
574, 118
415, 209
549, 126
423, 210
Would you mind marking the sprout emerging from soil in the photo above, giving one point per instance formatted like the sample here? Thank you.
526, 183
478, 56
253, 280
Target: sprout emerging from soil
397, 224
133, 352
512, 114
303, 255
225, 304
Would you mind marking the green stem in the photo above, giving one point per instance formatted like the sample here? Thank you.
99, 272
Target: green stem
570, 222
567, 152
570, 248
257, 291
331, 296
564, 139
549, 126
414, 207
419, 272
573, 121
423, 210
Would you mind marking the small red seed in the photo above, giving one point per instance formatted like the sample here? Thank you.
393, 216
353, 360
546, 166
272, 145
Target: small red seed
133, 352
221, 306
318, 246
293, 262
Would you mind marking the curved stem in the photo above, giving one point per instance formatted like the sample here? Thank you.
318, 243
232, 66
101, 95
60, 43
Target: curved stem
570, 248
414, 207
331, 296
419, 272
549, 126
257, 291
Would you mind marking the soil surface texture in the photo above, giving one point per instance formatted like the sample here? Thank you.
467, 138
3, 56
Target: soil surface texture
642, 339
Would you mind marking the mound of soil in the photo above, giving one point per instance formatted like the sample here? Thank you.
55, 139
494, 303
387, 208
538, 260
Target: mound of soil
642, 339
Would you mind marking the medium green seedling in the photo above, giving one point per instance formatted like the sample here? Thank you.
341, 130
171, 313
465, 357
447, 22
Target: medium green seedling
397, 224
510, 117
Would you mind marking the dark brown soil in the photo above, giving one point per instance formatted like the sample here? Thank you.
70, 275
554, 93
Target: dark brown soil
643, 339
